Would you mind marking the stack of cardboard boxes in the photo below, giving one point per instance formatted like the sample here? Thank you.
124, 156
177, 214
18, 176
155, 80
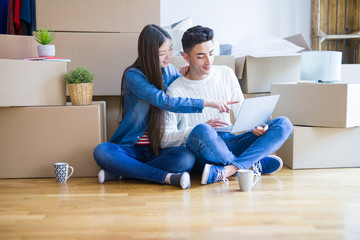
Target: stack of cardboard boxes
326, 119
103, 38
325, 116
37, 127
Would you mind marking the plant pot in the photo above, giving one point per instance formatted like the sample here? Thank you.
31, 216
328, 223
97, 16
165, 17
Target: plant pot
46, 50
81, 93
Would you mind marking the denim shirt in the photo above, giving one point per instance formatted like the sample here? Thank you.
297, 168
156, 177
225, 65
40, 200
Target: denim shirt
139, 94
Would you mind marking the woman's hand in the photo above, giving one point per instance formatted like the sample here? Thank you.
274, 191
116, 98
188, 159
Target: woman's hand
259, 131
222, 106
216, 122
184, 70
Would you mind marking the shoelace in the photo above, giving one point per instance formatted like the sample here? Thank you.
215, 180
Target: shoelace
257, 168
221, 177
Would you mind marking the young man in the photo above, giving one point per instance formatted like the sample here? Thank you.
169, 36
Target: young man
219, 154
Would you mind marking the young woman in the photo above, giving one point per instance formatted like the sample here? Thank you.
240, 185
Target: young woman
133, 151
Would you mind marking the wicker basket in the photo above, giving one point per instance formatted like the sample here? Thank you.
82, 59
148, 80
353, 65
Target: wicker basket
81, 94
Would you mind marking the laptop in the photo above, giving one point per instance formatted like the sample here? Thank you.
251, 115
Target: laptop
254, 112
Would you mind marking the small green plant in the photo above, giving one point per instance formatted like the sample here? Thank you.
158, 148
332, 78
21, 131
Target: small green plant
44, 36
79, 75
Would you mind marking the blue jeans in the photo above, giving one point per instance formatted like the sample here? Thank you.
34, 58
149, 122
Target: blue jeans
242, 151
139, 162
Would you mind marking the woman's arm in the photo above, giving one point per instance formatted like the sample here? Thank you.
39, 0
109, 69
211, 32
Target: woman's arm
137, 83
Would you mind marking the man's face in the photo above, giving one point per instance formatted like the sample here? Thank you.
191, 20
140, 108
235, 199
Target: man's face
200, 60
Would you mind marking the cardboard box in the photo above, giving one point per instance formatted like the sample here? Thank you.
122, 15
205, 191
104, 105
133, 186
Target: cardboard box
103, 106
112, 113
321, 105
350, 73
17, 46
97, 16
256, 73
179, 61
259, 72
34, 138
32, 83
105, 54
318, 147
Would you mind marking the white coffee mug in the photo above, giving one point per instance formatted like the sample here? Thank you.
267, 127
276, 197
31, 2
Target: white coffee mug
246, 179
62, 171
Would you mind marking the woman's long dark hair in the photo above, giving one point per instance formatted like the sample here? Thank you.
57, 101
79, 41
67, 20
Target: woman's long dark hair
150, 40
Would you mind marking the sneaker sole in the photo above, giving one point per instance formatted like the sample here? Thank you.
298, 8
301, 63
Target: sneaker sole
101, 176
185, 181
280, 160
205, 174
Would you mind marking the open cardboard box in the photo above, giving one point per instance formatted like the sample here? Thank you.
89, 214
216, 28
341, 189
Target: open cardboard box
256, 74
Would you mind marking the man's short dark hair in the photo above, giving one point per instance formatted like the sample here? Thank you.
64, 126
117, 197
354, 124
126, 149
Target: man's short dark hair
196, 35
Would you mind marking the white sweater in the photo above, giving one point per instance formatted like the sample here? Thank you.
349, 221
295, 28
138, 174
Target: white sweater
221, 84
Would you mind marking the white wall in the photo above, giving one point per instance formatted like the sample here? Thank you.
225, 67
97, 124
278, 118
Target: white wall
233, 19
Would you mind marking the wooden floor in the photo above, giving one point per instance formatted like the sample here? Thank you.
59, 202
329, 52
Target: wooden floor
301, 204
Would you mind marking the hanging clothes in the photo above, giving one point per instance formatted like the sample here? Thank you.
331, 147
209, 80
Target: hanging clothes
33, 16
18, 17
10, 18
27, 17
17, 9
4, 5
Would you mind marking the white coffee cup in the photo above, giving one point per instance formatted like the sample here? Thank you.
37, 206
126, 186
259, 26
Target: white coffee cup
62, 171
246, 179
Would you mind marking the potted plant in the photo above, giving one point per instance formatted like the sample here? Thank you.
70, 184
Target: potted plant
80, 85
45, 38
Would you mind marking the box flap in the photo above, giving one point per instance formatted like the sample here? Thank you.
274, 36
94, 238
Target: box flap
239, 66
299, 40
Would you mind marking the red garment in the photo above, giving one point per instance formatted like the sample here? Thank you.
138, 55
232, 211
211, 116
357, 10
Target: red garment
17, 10
144, 140
10, 19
